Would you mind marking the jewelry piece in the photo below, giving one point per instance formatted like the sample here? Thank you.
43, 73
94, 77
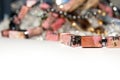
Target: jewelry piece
24, 10
55, 22
50, 36
16, 35
91, 41
5, 33
81, 19
58, 24
75, 41
65, 38
113, 42
26, 34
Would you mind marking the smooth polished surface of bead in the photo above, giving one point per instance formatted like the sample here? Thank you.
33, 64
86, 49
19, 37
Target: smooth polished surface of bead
16, 35
91, 41
113, 42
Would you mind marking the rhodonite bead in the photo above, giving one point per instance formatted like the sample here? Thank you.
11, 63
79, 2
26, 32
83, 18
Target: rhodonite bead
23, 12
45, 6
70, 39
5, 33
113, 42
58, 24
51, 36
91, 41
65, 38
49, 21
16, 35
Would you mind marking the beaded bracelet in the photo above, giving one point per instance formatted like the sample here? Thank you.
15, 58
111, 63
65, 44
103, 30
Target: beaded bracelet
85, 41
76, 40
80, 22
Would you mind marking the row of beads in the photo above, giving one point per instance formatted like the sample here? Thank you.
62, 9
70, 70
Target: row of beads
74, 17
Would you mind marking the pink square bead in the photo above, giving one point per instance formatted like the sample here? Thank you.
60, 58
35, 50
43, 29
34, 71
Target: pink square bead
16, 35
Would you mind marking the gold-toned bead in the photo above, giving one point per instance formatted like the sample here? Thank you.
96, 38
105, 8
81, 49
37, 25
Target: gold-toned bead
61, 6
74, 24
105, 33
100, 22
99, 11
91, 29
98, 32
103, 14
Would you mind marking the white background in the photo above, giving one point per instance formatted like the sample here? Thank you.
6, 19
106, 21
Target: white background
36, 60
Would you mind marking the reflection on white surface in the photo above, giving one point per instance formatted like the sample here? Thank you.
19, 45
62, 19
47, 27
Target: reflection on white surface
36, 47
36, 60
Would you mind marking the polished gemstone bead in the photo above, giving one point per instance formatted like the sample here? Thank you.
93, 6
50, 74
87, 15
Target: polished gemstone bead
51, 36
58, 24
75, 41
113, 42
65, 38
16, 35
91, 41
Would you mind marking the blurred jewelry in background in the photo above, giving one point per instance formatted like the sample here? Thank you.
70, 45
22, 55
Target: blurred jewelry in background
42, 21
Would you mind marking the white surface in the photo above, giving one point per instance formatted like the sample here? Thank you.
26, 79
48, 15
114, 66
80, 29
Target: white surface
36, 60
